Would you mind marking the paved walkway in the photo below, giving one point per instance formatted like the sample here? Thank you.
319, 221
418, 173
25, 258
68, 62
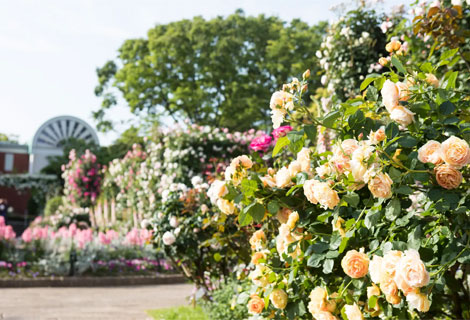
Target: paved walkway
89, 303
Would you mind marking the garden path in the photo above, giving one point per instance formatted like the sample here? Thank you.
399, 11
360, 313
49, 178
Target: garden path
90, 303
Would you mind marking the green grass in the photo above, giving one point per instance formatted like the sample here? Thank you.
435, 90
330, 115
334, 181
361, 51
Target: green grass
178, 313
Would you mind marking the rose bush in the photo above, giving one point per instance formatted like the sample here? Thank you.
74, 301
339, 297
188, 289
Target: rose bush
376, 227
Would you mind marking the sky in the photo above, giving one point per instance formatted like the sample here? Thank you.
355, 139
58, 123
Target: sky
50, 49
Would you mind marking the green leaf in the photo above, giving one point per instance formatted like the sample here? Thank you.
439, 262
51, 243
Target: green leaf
330, 118
426, 67
449, 54
301, 177
344, 243
397, 63
392, 130
311, 131
414, 238
372, 302
314, 260
446, 108
392, 211
244, 218
335, 241
328, 266
296, 141
407, 141
451, 80
249, 187
403, 189
257, 211
281, 143
366, 82
352, 198
273, 207
217, 257
372, 218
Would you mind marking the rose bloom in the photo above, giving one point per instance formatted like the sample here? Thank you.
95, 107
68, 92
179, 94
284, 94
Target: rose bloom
412, 270
261, 143
294, 168
277, 117
455, 152
377, 136
324, 315
375, 269
309, 190
283, 177
447, 176
257, 239
388, 285
281, 132
355, 264
432, 80
257, 276
381, 186
257, 256
353, 312
278, 298
226, 206
348, 146
327, 197
168, 238
402, 116
281, 100
403, 92
390, 261
338, 226
418, 301
283, 215
323, 170
390, 95
319, 301
242, 160
391, 47
292, 220
430, 153
373, 290
340, 161
303, 157
256, 304
393, 299
268, 181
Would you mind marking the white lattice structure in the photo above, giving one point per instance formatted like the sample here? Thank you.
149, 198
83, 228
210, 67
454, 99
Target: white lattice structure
48, 139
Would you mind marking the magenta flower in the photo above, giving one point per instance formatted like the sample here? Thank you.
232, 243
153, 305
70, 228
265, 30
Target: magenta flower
281, 132
261, 143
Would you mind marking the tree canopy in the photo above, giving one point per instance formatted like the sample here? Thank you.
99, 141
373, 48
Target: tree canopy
218, 72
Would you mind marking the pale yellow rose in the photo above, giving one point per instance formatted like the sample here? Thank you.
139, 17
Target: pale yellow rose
294, 168
292, 220
447, 176
418, 301
324, 315
309, 190
355, 264
258, 256
381, 186
432, 80
303, 157
319, 301
327, 197
402, 116
375, 269
257, 239
226, 206
412, 270
278, 298
283, 177
256, 304
390, 261
373, 290
283, 214
281, 100
353, 312
430, 152
455, 152
390, 95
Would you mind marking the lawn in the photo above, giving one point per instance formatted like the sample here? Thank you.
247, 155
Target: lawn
178, 313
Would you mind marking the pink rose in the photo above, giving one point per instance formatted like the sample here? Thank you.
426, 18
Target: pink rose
281, 132
261, 143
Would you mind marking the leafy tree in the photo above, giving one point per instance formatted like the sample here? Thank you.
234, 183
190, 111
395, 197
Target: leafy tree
8, 138
219, 72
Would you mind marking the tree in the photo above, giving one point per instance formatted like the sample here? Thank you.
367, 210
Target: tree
219, 72
8, 138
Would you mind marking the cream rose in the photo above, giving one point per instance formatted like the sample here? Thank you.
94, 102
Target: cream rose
430, 152
403, 92
309, 190
455, 152
243, 161
447, 176
388, 285
324, 315
418, 301
375, 269
256, 304
373, 290
226, 206
432, 80
402, 116
258, 256
348, 146
258, 277
412, 270
303, 157
257, 239
390, 261
292, 220
278, 298
377, 136
283, 177
283, 214
294, 168
390, 95
381, 186
353, 312
327, 197
355, 264
319, 301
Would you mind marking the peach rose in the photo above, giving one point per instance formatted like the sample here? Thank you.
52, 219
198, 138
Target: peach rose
402, 116
256, 304
338, 226
355, 264
268, 181
388, 285
390, 95
390, 261
292, 220
455, 152
303, 157
353, 312
258, 277
283, 214
392, 46
432, 80
447, 176
283, 177
381, 186
393, 299
430, 152
348, 146
377, 136
418, 301
258, 256
340, 161
375, 269
257, 239
278, 298
309, 190
294, 168
327, 197
226, 206
373, 290
412, 270
319, 301
403, 92
324, 315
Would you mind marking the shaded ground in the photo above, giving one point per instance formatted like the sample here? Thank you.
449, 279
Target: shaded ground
90, 303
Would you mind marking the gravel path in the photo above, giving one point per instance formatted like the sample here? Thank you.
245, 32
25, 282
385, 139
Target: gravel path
90, 303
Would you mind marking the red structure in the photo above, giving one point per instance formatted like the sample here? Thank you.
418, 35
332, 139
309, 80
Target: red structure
14, 158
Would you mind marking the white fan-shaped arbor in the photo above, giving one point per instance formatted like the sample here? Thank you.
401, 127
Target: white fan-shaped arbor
49, 138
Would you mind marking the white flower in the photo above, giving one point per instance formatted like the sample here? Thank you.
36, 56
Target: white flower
168, 238
174, 222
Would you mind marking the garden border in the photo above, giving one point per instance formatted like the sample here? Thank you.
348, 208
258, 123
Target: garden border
90, 281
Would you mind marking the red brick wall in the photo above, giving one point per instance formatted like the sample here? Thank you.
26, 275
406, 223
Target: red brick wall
20, 163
